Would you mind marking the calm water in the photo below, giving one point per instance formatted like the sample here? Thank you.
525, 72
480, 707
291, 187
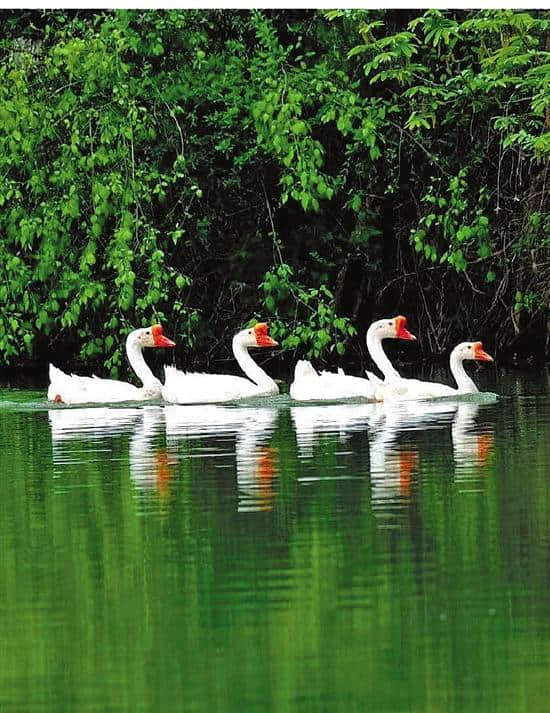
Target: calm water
273, 559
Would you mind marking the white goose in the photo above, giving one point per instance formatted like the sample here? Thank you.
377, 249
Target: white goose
401, 389
191, 388
72, 389
308, 385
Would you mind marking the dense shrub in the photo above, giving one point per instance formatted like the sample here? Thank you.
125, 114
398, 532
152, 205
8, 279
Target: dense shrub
318, 169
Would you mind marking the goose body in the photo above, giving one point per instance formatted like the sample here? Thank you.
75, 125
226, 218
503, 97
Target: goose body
401, 389
309, 385
74, 389
189, 387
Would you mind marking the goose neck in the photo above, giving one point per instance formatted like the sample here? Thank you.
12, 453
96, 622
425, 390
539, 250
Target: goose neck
464, 382
134, 353
374, 345
254, 372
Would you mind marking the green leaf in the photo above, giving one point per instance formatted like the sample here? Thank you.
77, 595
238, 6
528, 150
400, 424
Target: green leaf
299, 128
359, 49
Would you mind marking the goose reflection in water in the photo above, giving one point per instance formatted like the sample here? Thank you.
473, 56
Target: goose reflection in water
393, 464
311, 422
88, 425
93, 423
472, 442
251, 428
149, 465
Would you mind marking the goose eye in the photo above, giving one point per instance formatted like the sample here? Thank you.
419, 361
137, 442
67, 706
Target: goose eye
250, 331
469, 347
390, 324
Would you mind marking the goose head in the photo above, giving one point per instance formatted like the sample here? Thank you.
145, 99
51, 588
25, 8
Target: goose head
256, 336
151, 337
394, 328
471, 350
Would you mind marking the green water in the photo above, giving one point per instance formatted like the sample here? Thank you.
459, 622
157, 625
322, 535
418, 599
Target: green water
276, 558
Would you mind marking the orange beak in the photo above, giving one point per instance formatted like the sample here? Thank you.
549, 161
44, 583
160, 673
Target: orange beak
401, 331
262, 337
159, 338
479, 354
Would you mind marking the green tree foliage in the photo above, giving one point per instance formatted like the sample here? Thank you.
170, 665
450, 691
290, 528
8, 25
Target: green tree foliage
205, 167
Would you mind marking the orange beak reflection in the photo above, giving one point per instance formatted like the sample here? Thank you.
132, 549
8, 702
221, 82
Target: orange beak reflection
408, 463
164, 465
484, 447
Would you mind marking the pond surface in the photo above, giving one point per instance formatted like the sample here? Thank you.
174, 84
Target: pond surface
276, 558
